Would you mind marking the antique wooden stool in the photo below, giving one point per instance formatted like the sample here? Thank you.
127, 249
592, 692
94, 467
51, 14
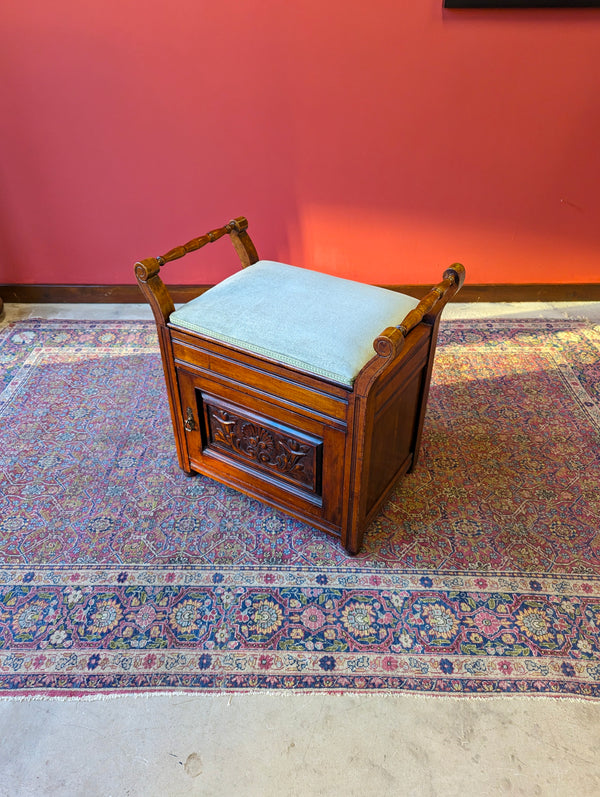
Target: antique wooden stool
303, 390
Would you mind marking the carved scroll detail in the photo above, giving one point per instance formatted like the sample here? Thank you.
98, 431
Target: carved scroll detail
271, 449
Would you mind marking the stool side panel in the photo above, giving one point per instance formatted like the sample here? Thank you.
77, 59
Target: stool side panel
392, 441
388, 414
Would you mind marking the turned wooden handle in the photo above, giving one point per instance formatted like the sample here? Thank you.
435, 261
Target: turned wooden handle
147, 271
238, 225
391, 340
454, 278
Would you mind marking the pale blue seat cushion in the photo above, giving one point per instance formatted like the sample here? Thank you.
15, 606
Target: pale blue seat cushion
321, 324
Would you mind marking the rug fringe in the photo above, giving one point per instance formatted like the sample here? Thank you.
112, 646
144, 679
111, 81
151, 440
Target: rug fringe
298, 693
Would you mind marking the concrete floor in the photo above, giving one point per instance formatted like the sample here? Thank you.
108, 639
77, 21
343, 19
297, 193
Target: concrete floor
297, 745
259, 745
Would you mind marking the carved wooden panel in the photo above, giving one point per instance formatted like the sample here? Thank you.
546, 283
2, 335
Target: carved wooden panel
273, 448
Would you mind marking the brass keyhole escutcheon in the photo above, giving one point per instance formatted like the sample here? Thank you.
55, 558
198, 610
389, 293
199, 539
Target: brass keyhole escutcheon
189, 423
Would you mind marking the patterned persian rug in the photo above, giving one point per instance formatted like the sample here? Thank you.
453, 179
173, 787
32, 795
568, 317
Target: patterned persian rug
119, 574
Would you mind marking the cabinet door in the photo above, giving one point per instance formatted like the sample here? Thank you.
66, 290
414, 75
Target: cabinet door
287, 458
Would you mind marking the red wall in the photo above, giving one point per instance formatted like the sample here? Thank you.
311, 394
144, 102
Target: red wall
379, 140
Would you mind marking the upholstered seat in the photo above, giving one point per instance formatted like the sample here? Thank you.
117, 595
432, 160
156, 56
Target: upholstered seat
303, 390
312, 321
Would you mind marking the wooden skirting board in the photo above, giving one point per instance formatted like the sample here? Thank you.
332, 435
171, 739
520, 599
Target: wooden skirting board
533, 292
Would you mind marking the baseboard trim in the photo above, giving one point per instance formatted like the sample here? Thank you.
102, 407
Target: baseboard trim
125, 294
94, 294
508, 292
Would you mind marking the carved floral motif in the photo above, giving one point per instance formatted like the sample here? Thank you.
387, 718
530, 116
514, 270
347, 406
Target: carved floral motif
272, 449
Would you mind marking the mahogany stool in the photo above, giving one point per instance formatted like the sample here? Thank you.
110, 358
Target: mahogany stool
303, 390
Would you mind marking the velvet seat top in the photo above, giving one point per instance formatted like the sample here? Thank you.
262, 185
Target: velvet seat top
315, 322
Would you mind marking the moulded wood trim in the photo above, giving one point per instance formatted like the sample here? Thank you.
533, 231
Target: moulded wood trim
509, 292
502, 292
101, 294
